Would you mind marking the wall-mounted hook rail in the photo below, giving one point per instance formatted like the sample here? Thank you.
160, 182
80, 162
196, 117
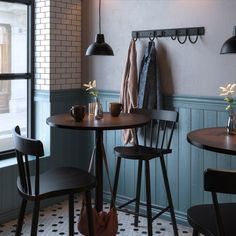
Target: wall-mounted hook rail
173, 33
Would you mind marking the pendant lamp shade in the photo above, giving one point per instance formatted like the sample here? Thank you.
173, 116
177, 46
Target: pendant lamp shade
99, 47
229, 45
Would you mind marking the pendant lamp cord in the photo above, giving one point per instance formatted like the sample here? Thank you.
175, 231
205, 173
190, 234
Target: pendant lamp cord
99, 15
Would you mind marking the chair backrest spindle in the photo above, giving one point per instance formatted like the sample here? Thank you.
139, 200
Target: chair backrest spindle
27, 171
26, 147
158, 133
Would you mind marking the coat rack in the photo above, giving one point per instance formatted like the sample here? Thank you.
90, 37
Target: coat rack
173, 33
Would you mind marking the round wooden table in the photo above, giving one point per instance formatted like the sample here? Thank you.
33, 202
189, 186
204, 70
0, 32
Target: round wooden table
213, 139
123, 121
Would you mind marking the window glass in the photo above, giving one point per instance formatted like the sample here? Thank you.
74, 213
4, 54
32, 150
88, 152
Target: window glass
13, 60
12, 112
13, 37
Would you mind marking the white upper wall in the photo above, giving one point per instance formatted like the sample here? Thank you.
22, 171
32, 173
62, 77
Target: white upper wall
185, 69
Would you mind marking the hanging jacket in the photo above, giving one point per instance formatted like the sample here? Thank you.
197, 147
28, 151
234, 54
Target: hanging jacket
149, 92
129, 88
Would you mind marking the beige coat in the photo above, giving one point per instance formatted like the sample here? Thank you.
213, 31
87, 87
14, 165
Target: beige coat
129, 88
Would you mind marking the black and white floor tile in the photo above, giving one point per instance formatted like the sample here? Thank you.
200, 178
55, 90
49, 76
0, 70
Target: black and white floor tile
53, 221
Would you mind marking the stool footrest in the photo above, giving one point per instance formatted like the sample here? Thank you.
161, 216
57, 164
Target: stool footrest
131, 212
127, 203
162, 210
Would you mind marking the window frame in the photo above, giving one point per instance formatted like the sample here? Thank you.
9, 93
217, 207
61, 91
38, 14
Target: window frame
29, 75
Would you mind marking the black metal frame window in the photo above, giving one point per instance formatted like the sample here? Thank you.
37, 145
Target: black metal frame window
16, 71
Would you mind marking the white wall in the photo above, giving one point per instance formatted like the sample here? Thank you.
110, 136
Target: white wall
185, 69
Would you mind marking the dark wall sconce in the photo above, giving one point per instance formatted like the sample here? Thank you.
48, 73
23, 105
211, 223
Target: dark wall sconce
229, 45
99, 47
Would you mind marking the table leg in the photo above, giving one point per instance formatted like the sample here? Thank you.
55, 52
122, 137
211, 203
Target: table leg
99, 171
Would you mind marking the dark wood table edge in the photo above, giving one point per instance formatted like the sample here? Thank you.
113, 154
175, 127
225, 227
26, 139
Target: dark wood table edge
209, 148
94, 128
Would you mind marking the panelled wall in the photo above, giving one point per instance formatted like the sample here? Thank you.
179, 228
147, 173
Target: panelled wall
62, 147
185, 165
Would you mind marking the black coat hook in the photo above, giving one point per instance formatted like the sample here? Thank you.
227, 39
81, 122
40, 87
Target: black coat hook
193, 41
182, 42
174, 36
151, 38
175, 33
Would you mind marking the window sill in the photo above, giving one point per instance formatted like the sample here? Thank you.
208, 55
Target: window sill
12, 162
8, 162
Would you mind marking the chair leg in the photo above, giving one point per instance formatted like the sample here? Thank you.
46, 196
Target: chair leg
21, 217
168, 193
195, 233
90, 213
34, 226
138, 188
148, 198
71, 214
115, 186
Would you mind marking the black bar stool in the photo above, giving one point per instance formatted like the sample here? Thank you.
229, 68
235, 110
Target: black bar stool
157, 138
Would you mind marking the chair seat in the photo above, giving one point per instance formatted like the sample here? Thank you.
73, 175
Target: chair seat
59, 181
139, 152
202, 218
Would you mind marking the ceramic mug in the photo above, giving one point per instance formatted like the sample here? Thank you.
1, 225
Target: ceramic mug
77, 112
115, 108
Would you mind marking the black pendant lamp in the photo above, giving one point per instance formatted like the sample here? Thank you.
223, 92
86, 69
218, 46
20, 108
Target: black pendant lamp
229, 45
99, 47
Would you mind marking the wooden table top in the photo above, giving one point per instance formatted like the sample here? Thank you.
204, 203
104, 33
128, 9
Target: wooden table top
108, 122
213, 139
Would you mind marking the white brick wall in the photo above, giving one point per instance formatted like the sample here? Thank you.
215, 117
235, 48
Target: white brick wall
58, 44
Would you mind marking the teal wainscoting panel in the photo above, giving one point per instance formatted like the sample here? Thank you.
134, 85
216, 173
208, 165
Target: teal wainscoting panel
184, 159
58, 142
9, 198
62, 147
197, 161
70, 147
185, 165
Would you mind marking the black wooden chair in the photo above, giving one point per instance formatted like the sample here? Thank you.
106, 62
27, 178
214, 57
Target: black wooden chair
215, 219
55, 182
157, 136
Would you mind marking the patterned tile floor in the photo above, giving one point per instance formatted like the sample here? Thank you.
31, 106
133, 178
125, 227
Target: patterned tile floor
53, 221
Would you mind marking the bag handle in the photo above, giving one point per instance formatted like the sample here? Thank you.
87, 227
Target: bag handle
91, 160
107, 170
